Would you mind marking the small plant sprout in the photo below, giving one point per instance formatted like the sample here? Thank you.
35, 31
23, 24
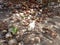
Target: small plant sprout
14, 30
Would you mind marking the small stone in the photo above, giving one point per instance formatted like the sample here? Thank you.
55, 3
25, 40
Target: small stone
12, 42
32, 39
37, 39
8, 35
19, 44
4, 31
29, 17
31, 25
40, 10
17, 15
50, 41
31, 11
21, 14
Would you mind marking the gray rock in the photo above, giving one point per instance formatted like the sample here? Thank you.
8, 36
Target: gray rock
8, 35
12, 42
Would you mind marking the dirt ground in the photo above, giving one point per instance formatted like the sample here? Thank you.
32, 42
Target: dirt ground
56, 19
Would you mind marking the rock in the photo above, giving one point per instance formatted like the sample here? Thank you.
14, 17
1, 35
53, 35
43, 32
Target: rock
31, 11
29, 17
19, 44
4, 32
40, 10
37, 40
21, 14
8, 35
17, 15
12, 42
32, 25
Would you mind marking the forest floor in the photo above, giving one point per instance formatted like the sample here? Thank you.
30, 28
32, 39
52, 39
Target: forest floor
45, 41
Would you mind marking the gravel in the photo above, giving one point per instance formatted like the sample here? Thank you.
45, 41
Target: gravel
29, 27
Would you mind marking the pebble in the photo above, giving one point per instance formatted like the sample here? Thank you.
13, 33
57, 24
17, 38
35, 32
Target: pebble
37, 39
21, 14
12, 42
19, 44
32, 25
8, 35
